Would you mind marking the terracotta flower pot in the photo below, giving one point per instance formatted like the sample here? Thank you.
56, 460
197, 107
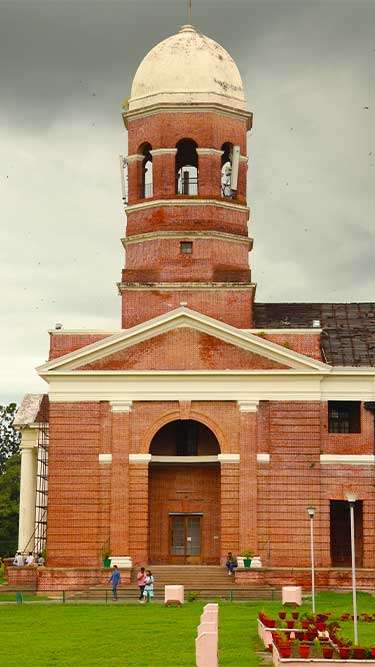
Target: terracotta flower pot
269, 622
290, 625
372, 649
321, 626
344, 652
327, 652
285, 651
304, 651
295, 615
282, 614
359, 653
304, 625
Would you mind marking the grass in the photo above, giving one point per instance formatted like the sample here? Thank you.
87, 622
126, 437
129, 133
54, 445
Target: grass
132, 635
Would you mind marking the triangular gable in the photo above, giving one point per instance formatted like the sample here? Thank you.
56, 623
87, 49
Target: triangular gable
182, 317
183, 348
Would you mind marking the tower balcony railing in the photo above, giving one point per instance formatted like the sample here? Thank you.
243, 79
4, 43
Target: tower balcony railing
146, 191
187, 185
226, 191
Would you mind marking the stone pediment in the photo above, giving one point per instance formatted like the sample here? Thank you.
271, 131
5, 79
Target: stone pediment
182, 339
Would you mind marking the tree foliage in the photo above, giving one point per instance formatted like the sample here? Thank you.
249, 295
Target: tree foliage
9, 438
9, 505
10, 466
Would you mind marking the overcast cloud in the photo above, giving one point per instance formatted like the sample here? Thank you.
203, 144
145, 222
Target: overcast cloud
65, 68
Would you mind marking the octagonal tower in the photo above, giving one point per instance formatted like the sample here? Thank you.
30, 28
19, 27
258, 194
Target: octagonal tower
187, 216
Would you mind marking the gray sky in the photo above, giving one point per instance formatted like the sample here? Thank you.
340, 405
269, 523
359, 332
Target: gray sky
65, 68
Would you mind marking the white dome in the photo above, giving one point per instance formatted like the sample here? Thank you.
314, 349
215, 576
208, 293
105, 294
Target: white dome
187, 68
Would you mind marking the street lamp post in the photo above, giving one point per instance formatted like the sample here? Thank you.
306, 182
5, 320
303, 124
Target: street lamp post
351, 498
311, 513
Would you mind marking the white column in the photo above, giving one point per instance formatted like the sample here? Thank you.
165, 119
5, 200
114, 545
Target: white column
29, 460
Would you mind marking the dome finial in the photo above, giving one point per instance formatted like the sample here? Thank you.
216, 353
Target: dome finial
189, 13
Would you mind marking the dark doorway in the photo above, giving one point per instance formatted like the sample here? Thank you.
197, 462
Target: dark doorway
340, 533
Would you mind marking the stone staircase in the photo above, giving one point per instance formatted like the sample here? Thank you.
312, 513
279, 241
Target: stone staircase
208, 581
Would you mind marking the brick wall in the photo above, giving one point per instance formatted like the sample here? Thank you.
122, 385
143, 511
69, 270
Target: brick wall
226, 305
182, 349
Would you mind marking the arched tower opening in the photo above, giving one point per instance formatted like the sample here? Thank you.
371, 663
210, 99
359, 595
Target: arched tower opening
226, 169
146, 186
186, 167
184, 494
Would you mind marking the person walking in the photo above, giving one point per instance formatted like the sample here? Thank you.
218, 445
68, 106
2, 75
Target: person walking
115, 580
141, 580
149, 587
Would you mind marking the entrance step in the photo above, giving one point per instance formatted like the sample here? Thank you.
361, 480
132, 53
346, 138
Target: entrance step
193, 577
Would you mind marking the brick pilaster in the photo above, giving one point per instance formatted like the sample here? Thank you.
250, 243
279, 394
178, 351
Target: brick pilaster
229, 508
248, 494
119, 519
138, 517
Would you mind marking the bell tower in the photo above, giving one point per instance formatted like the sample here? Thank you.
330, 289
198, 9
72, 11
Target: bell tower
187, 237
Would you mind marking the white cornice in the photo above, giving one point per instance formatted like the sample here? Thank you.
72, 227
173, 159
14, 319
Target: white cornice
122, 287
284, 331
218, 109
248, 406
184, 459
135, 158
105, 458
209, 151
347, 459
206, 235
75, 386
121, 405
229, 458
163, 151
139, 458
263, 458
153, 203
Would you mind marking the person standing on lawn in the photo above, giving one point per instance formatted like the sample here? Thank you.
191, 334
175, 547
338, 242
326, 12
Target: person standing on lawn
115, 580
149, 587
141, 580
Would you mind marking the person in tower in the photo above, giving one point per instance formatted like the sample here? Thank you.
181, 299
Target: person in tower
149, 587
141, 580
231, 563
115, 580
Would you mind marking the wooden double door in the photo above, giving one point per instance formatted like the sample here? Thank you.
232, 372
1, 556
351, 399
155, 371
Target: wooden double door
185, 538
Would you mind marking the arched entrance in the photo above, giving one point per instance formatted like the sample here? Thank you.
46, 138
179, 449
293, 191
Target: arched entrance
184, 494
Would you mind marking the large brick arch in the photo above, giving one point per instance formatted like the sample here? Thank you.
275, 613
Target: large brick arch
175, 416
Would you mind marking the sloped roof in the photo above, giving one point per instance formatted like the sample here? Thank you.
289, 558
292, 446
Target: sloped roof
348, 329
33, 408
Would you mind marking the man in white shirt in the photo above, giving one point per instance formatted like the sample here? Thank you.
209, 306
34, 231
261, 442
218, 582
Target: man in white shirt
30, 558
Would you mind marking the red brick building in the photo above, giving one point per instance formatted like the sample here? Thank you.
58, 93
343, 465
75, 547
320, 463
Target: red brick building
207, 423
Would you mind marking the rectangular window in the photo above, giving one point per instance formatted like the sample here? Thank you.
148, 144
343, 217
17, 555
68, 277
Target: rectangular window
344, 416
186, 247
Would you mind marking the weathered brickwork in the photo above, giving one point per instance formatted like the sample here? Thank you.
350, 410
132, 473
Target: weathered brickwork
182, 349
230, 306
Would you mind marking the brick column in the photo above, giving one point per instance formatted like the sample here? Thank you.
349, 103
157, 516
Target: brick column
139, 510
209, 161
229, 508
248, 483
134, 177
164, 172
119, 518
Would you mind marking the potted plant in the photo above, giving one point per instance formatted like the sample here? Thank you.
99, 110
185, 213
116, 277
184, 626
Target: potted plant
304, 651
372, 649
327, 652
105, 557
344, 652
247, 555
282, 615
359, 653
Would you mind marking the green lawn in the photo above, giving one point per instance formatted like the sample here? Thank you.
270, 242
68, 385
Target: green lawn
132, 635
